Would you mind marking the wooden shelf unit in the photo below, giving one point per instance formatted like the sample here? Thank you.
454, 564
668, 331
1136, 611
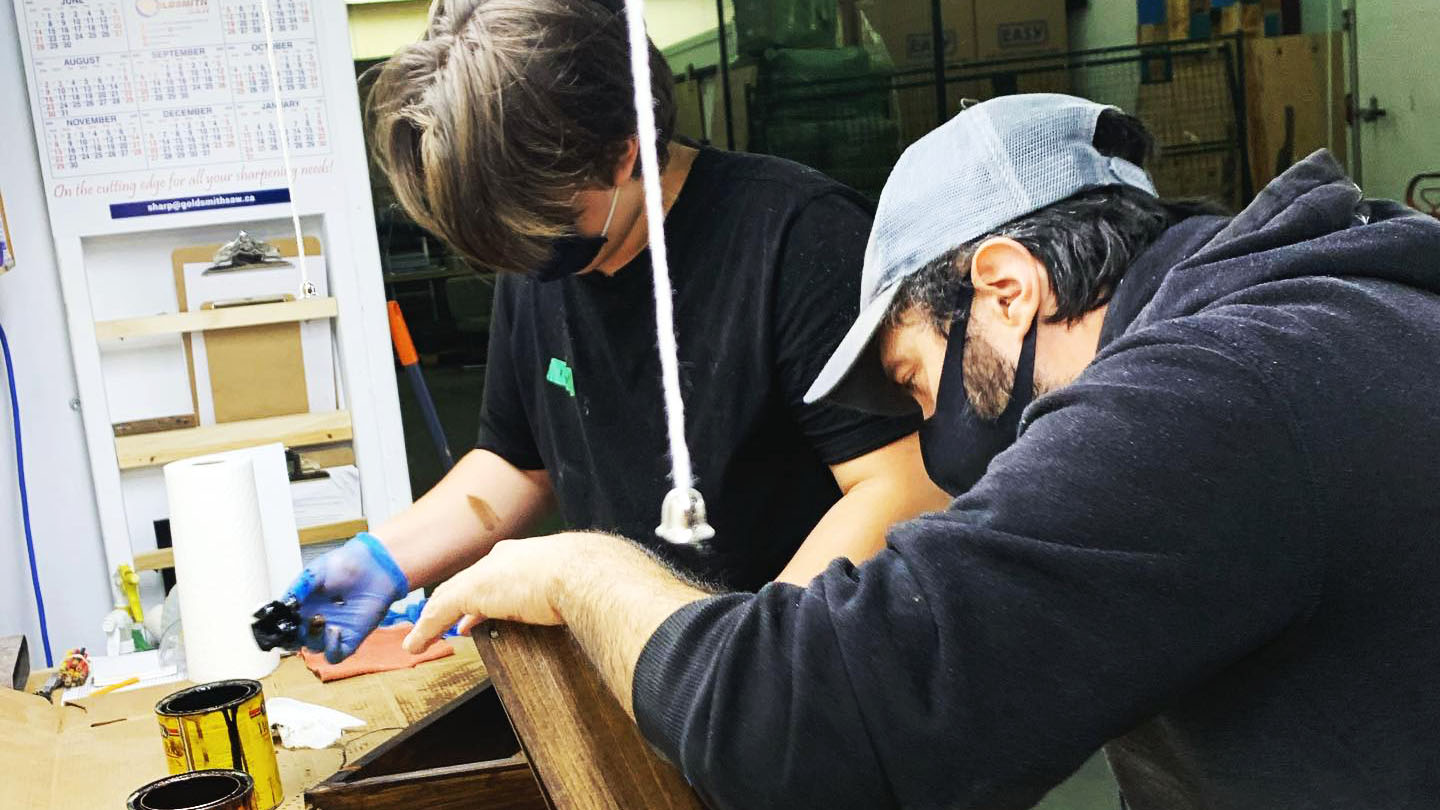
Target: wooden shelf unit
297, 430
178, 323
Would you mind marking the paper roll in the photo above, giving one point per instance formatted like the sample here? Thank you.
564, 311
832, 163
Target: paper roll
220, 565
277, 513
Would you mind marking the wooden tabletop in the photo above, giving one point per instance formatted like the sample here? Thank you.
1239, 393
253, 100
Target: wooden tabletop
107, 746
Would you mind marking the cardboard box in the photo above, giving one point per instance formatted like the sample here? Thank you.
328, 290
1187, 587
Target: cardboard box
1272, 18
1162, 20
1178, 114
1204, 17
1289, 117
688, 98
1167, 20
1150, 16
1227, 17
1006, 28
1177, 19
14, 661
92, 754
1210, 175
693, 96
904, 27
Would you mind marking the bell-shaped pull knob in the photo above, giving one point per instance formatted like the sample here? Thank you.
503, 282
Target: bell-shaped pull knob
682, 518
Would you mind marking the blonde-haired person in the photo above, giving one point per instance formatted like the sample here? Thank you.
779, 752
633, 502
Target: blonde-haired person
509, 132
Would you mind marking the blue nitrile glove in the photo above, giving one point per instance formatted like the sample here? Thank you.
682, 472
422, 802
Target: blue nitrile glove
411, 615
352, 587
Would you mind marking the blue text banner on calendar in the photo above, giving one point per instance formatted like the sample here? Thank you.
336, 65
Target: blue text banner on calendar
199, 202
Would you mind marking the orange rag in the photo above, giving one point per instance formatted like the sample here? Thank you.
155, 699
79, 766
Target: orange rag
380, 652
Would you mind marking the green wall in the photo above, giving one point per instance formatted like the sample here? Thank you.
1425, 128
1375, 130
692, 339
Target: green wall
1104, 24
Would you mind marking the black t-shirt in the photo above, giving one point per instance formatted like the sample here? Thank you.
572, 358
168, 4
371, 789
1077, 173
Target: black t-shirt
765, 260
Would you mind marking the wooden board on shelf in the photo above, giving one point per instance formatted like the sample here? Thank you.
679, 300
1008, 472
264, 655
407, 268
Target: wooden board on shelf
223, 318
296, 430
324, 533
162, 558
156, 425
586, 752
328, 455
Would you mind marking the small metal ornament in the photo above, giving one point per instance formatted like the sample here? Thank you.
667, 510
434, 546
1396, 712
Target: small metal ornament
246, 252
682, 518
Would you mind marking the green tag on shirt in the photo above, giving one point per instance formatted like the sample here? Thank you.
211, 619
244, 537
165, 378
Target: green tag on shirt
560, 374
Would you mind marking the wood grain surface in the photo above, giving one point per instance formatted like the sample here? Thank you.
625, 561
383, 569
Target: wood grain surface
498, 785
174, 323
586, 751
296, 430
463, 754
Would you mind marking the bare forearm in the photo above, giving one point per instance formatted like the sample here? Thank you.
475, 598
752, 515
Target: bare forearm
614, 596
481, 500
883, 489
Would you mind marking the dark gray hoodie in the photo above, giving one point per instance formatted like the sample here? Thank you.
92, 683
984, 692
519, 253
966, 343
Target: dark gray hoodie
1216, 553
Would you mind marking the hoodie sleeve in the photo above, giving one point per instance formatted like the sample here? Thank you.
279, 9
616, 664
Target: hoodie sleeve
1149, 529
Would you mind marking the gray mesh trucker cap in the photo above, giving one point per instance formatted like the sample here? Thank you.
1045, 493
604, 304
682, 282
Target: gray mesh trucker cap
994, 162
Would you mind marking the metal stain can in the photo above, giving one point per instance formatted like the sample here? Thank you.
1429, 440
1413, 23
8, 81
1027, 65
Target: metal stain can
222, 724
219, 789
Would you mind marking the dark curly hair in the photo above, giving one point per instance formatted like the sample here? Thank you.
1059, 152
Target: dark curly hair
1086, 241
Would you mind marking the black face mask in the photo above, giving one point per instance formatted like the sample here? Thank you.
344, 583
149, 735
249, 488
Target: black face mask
571, 254
568, 256
956, 444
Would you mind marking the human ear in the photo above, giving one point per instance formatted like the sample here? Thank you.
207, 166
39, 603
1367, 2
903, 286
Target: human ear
1009, 282
625, 167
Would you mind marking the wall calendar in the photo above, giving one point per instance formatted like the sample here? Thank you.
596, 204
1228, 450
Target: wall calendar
143, 85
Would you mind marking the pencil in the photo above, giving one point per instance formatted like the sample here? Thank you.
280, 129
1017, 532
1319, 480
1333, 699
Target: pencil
112, 687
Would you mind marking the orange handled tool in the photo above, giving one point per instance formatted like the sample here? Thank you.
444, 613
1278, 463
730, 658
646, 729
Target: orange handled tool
400, 335
410, 361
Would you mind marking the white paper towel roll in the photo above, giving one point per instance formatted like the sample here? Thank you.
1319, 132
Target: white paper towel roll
220, 565
277, 513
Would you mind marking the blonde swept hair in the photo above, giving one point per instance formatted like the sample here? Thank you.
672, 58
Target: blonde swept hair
487, 126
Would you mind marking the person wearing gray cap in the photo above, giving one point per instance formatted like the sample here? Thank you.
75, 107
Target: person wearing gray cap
1195, 459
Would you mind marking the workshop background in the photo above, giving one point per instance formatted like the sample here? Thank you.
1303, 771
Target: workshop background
1235, 91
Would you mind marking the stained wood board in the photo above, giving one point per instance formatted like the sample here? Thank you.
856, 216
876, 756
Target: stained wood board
586, 751
460, 756
96, 755
159, 424
493, 785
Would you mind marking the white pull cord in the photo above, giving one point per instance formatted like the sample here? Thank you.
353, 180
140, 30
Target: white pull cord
307, 289
682, 515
